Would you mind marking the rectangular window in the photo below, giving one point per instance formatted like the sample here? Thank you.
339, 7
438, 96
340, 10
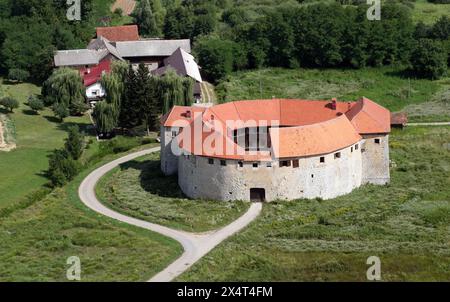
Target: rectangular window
240, 164
255, 165
285, 163
337, 155
351, 149
377, 141
295, 163
174, 133
356, 147
322, 159
210, 161
223, 162
269, 165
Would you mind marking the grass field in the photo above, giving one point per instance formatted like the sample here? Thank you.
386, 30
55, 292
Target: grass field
36, 135
428, 12
37, 240
405, 223
383, 85
138, 188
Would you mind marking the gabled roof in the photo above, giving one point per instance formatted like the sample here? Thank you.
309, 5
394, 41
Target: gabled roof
369, 118
93, 75
183, 63
77, 57
151, 48
316, 139
102, 43
119, 33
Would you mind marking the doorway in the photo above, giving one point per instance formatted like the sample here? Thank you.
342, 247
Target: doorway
257, 195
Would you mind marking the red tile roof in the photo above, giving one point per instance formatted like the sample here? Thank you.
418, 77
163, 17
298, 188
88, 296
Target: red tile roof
94, 74
119, 33
306, 127
370, 118
321, 138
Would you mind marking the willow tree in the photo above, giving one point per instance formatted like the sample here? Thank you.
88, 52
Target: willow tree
174, 90
65, 87
106, 113
104, 117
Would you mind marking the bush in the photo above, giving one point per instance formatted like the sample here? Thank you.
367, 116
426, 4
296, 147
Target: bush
62, 168
61, 111
74, 143
9, 103
35, 103
429, 59
19, 75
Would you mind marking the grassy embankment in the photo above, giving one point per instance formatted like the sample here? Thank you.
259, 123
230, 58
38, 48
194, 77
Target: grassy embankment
405, 223
422, 99
138, 188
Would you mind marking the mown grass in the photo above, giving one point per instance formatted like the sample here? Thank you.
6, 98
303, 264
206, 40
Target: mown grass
138, 188
384, 85
37, 240
35, 136
405, 223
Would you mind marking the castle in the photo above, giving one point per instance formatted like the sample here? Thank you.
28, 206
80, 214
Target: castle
279, 149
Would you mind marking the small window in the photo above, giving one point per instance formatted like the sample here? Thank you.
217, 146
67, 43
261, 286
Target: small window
285, 163
377, 141
356, 147
210, 161
223, 162
322, 159
312, 175
174, 133
269, 165
240, 164
255, 165
351, 149
337, 155
295, 163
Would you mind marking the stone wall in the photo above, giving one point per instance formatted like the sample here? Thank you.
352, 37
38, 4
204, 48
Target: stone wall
169, 162
336, 176
375, 159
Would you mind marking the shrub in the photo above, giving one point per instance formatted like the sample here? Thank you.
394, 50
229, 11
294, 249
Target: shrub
74, 143
9, 103
61, 111
35, 103
19, 75
429, 59
62, 168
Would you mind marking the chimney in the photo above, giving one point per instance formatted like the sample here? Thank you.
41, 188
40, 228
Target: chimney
333, 103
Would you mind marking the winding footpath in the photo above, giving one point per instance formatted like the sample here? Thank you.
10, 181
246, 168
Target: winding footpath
195, 245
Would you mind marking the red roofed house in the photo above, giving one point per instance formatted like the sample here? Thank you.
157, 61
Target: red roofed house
119, 33
265, 150
92, 80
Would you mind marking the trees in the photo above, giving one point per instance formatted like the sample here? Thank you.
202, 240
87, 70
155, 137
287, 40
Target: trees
429, 59
216, 56
179, 23
65, 86
74, 143
35, 103
144, 17
62, 168
9, 103
19, 75
171, 90
61, 111
130, 114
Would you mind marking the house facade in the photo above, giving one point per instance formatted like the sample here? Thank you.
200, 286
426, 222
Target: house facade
315, 149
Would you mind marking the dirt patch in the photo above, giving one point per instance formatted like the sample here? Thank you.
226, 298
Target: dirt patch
7, 142
127, 6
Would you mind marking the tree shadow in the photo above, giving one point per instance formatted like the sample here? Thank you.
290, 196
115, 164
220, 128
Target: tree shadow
403, 74
152, 179
4, 111
29, 112
52, 119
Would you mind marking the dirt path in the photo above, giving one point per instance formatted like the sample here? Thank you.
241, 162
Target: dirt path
195, 245
429, 124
